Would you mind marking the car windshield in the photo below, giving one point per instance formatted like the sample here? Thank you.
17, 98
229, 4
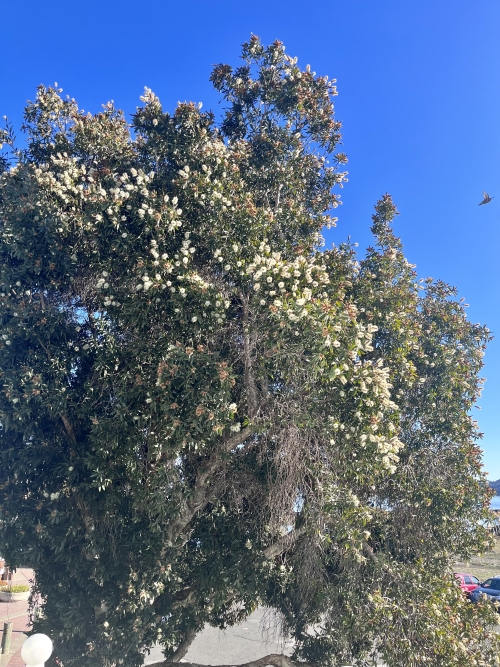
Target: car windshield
492, 583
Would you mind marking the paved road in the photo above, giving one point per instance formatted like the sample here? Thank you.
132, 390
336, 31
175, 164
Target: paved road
236, 645
248, 641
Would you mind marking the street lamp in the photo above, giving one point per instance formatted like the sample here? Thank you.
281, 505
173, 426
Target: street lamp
36, 650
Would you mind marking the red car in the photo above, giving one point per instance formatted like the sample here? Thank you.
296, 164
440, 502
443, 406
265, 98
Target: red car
467, 582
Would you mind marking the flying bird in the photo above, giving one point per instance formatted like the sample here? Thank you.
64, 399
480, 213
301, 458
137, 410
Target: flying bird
486, 199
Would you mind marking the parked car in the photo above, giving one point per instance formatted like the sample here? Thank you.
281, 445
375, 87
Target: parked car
467, 582
490, 588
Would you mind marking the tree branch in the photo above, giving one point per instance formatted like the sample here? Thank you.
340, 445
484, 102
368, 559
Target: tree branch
277, 202
201, 493
89, 526
272, 551
274, 659
249, 377
185, 600
283, 543
371, 555
69, 427
46, 350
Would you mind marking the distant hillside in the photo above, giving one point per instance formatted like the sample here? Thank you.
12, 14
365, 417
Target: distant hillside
496, 486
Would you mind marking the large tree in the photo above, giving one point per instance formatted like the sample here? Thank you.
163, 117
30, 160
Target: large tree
202, 411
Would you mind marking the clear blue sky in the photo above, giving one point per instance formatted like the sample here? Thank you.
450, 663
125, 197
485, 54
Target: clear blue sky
419, 95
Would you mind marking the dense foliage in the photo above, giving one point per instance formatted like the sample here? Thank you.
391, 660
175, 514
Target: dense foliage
201, 411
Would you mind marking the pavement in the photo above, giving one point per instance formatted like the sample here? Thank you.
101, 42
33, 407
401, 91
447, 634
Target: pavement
16, 613
256, 637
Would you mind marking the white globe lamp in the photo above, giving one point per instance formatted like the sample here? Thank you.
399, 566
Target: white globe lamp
36, 650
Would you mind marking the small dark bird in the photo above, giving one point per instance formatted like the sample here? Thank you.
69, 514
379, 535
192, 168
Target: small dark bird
486, 199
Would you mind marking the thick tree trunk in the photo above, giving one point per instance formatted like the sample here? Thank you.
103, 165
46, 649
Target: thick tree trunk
183, 647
